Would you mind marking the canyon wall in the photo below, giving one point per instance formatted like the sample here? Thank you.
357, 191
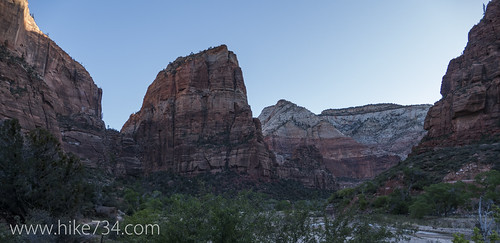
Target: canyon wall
469, 109
195, 117
42, 86
463, 127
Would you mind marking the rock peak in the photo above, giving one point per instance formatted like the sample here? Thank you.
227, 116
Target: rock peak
195, 118
284, 102
210, 55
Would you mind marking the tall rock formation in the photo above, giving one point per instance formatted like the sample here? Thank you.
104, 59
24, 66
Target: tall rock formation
42, 86
387, 128
469, 109
463, 137
195, 118
288, 128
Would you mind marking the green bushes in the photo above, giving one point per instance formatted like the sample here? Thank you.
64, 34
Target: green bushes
443, 198
380, 202
39, 183
399, 200
246, 217
440, 199
184, 218
419, 209
342, 198
489, 182
35, 174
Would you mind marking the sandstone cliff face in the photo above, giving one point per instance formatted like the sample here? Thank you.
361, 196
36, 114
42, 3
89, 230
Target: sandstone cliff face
287, 128
470, 107
306, 165
195, 118
386, 128
42, 86
464, 126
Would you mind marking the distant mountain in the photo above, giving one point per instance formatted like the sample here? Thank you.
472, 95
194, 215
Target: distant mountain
387, 128
351, 141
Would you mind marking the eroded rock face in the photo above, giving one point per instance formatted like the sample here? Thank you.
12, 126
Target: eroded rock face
42, 86
195, 118
306, 165
287, 128
387, 128
470, 107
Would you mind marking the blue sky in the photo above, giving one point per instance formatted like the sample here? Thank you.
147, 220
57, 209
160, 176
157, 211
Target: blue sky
317, 54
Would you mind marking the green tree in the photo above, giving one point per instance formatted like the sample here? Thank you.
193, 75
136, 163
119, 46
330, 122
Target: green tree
440, 199
420, 208
11, 158
490, 182
459, 238
399, 201
380, 202
35, 174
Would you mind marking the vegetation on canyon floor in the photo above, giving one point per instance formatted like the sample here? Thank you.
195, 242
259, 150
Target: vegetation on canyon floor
223, 207
415, 188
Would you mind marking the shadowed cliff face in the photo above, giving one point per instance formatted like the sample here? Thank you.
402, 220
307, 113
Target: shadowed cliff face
42, 86
470, 107
195, 118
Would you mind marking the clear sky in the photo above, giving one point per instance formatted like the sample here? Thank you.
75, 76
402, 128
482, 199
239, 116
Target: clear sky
317, 54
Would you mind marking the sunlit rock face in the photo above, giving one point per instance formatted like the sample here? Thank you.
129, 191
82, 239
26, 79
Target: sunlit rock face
288, 128
195, 118
42, 86
470, 107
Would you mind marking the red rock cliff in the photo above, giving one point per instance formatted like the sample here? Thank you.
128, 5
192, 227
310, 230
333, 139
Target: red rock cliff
470, 107
195, 118
42, 86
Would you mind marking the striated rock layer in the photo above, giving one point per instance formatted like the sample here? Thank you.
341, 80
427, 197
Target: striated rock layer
195, 118
289, 128
42, 86
469, 109
387, 128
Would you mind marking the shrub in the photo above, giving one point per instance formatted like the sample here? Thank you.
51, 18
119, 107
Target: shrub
244, 218
32, 171
283, 205
399, 201
419, 208
380, 202
490, 182
440, 199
